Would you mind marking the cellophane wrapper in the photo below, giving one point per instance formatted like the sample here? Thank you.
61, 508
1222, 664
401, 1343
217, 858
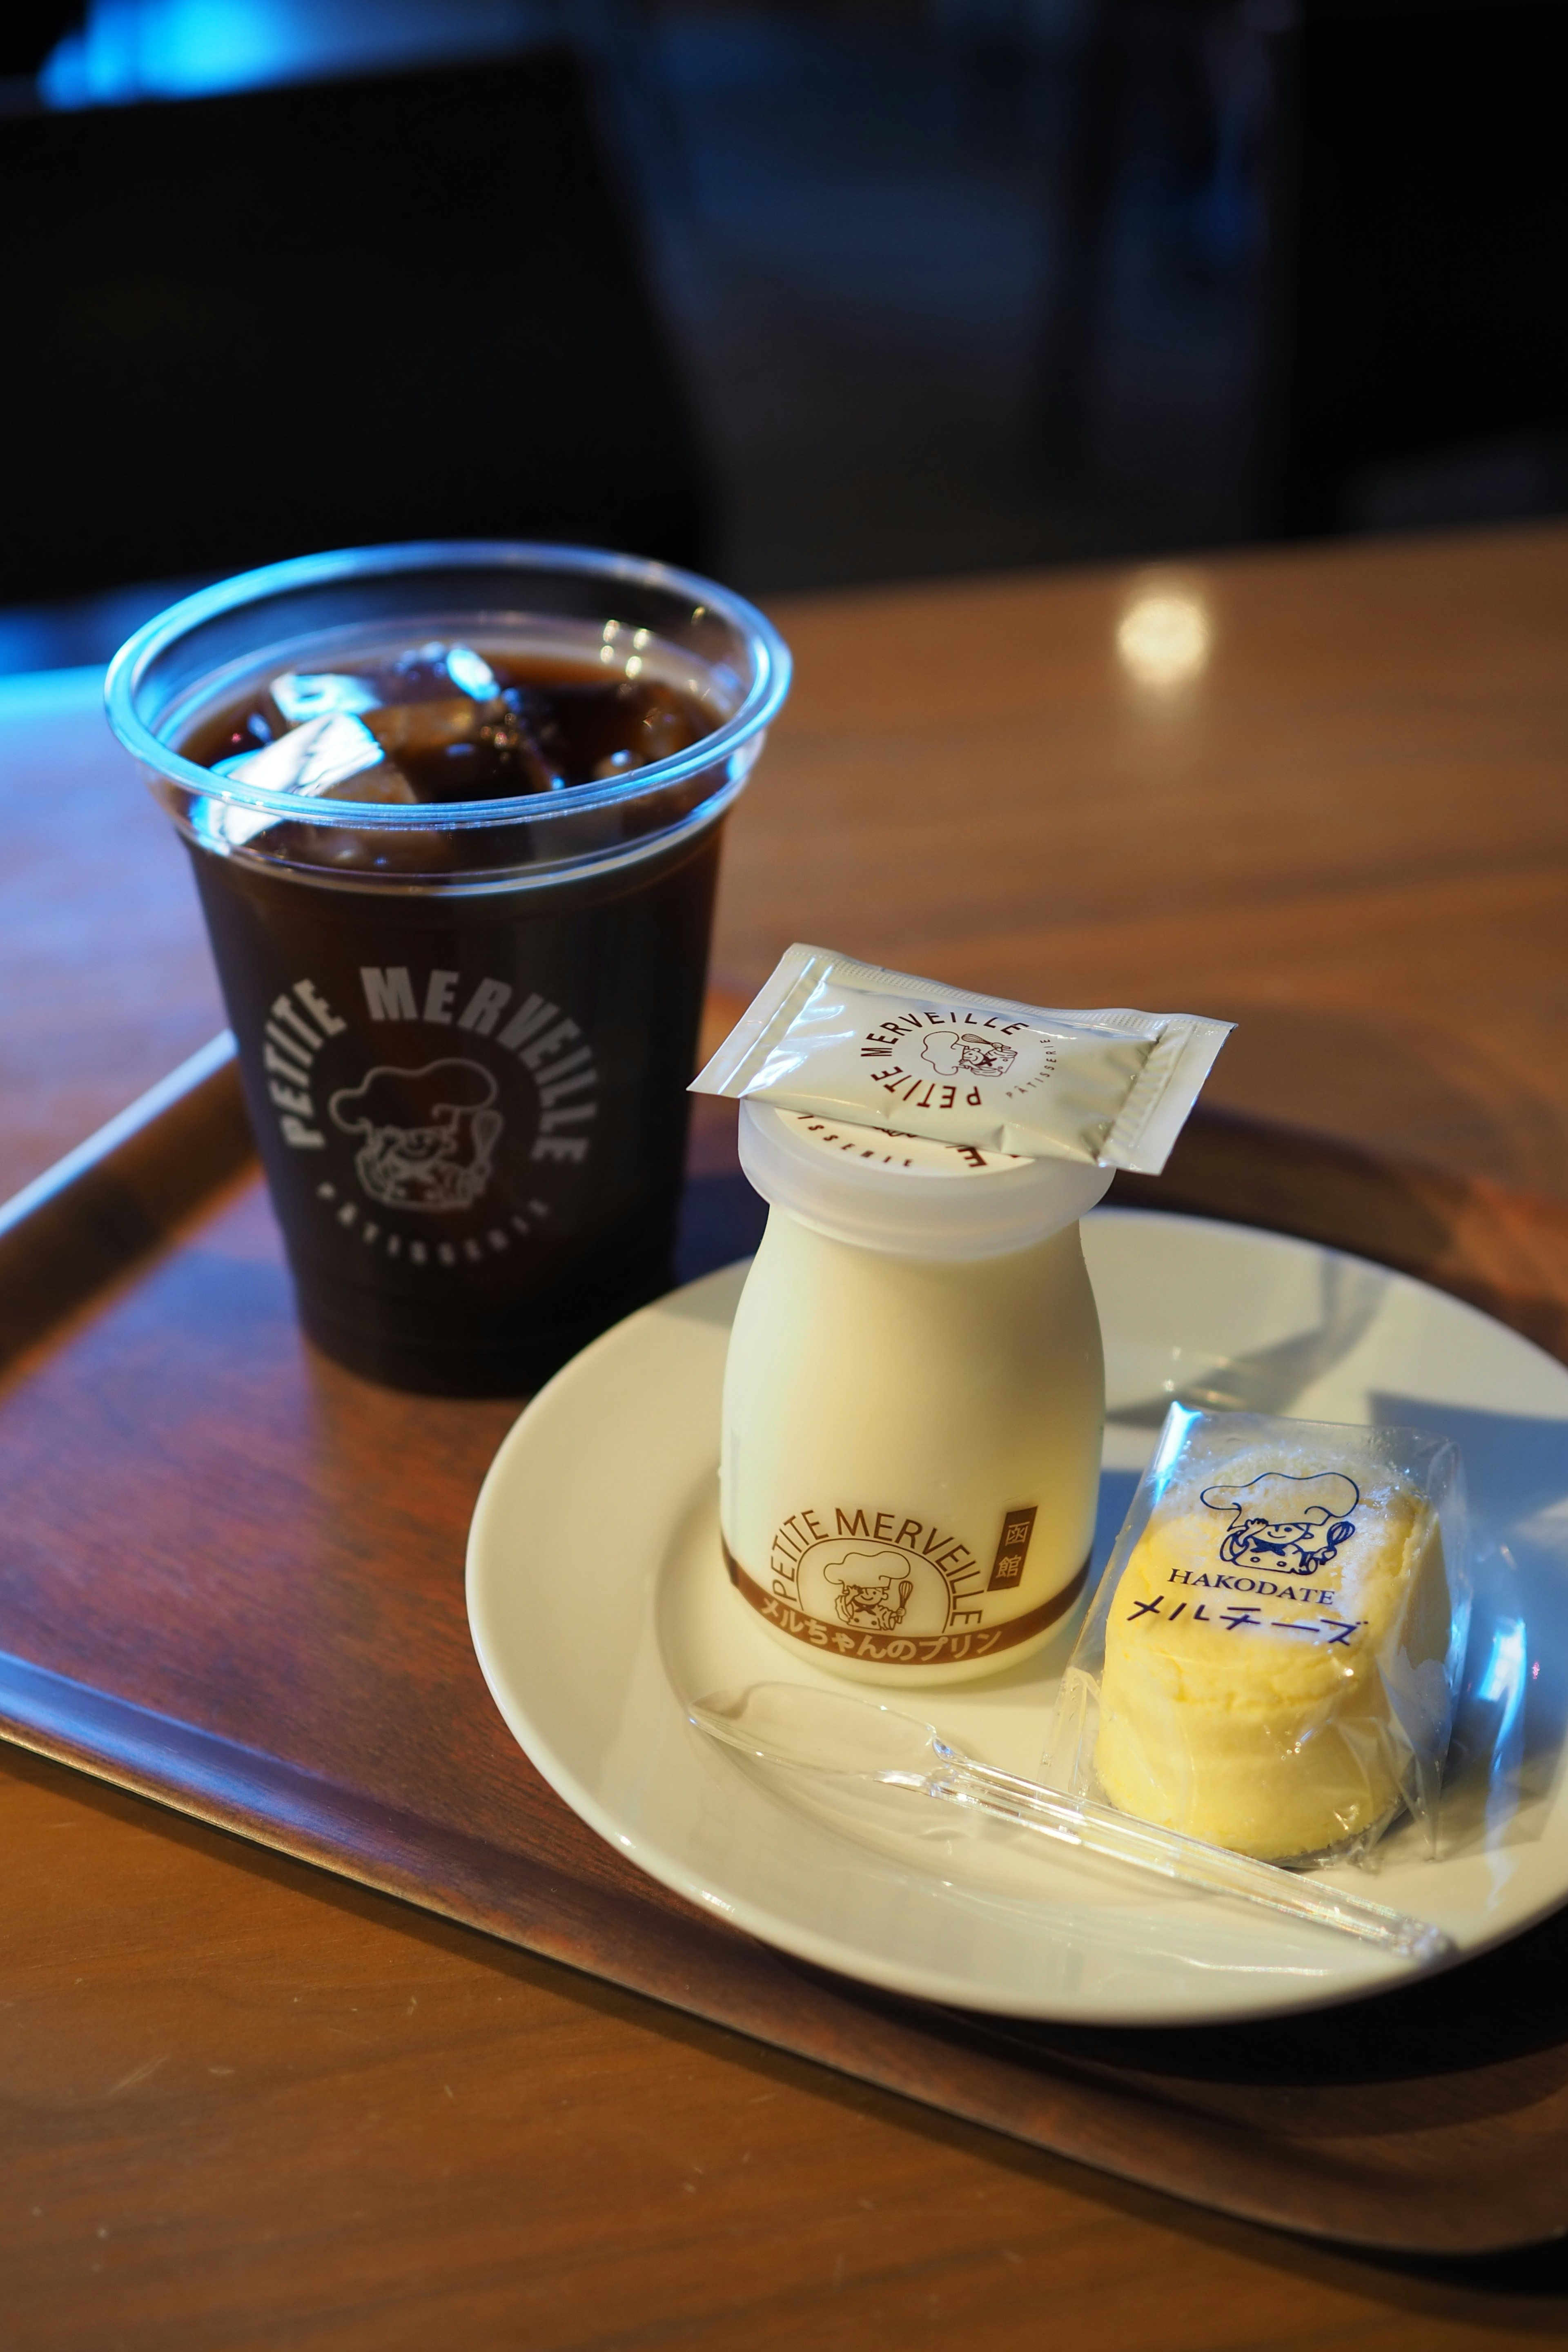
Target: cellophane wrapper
1273, 1655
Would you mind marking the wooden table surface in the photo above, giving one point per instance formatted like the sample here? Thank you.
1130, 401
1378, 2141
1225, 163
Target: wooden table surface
242, 2104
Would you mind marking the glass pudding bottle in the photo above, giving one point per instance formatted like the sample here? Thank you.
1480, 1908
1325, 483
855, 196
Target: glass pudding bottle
913, 1401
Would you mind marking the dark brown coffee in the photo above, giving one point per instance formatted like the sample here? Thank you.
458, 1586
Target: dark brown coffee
469, 1092
546, 727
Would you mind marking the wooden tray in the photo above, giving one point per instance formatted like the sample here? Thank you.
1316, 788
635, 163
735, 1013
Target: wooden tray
232, 1582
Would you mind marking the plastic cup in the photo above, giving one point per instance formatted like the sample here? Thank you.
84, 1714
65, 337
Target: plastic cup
465, 1028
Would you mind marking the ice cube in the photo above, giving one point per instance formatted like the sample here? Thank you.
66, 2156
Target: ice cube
387, 785
665, 729
301, 694
329, 757
471, 672
308, 759
422, 728
419, 675
464, 750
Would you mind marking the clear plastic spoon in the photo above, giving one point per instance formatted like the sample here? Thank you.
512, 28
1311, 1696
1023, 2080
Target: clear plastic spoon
820, 1731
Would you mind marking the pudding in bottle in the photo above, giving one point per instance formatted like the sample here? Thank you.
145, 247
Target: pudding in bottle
913, 1401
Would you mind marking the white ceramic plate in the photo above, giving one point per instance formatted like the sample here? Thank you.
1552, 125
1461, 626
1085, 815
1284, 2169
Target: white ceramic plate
599, 1605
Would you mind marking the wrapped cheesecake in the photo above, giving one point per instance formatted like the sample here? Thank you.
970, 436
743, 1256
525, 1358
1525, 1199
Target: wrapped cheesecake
1272, 1658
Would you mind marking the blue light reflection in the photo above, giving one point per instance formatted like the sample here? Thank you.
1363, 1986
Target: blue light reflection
131, 49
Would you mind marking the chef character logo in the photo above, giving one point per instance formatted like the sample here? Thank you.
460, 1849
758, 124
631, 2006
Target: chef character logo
429, 1134
1292, 1526
877, 1604
952, 1050
875, 1587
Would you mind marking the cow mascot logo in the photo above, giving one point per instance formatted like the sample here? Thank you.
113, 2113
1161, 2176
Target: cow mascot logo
1290, 1525
953, 1051
429, 1134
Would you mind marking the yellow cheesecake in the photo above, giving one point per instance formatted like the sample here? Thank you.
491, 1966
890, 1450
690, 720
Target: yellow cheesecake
1248, 1649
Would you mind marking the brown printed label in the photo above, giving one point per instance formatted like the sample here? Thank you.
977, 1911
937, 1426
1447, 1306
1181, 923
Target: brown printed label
875, 1571
891, 1588
1013, 1547
881, 1646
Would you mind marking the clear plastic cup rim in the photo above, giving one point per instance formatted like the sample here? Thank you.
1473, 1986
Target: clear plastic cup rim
760, 704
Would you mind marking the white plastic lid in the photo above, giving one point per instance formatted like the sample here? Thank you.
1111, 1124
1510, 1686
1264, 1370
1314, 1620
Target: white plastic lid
906, 1195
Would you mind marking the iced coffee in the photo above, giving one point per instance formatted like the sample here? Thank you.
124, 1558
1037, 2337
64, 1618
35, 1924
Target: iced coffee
457, 846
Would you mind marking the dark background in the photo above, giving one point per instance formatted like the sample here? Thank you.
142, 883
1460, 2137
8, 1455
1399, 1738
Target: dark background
806, 294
